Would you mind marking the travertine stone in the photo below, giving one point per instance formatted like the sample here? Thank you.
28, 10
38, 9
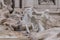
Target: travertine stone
11, 35
17, 4
50, 34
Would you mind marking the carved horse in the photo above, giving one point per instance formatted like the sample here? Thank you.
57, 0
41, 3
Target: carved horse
29, 19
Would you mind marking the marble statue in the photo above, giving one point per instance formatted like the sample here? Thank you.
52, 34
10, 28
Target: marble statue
27, 18
43, 19
30, 20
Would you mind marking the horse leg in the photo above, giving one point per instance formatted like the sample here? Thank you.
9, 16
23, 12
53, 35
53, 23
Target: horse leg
32, 26
27, 29
41, 28
11, 28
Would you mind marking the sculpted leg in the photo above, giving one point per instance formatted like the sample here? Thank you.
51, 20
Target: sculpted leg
27, 29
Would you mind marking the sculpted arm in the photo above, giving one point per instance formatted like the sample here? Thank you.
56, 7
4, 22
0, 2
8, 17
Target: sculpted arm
36, 11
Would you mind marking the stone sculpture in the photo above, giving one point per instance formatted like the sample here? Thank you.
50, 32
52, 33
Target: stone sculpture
13, 23
36, 25
14, 20
2, 1
44, 18
30, 20
27, 18
46, 2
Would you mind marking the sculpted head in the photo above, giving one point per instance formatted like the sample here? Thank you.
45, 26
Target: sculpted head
29, 11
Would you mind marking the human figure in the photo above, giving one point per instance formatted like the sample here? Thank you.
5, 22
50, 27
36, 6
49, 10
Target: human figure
43, 19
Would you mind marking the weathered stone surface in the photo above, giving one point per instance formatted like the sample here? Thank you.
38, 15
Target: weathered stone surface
53, 21
50, 34
21, 24
11, 35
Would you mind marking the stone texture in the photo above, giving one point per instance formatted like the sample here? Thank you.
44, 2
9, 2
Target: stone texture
31, 22
11, 35
50, 34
